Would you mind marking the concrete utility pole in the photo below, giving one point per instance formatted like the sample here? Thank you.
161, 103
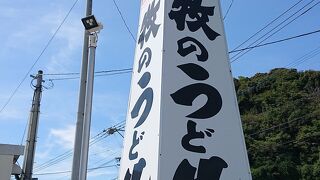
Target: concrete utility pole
82, 92
88, 108
32, 130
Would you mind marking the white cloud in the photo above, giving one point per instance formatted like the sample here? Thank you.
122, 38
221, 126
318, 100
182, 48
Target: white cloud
67, 42
18, 108
63, 137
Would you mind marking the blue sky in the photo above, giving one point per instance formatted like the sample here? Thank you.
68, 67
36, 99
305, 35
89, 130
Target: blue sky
26, 27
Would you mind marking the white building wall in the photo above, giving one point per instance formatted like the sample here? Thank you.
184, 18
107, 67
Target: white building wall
5, 166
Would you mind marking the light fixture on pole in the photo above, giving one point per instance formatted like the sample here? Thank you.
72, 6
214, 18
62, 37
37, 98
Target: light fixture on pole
90, 24
93, 27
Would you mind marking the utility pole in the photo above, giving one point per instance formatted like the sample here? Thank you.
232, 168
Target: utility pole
82, 92
32, 130
88, 108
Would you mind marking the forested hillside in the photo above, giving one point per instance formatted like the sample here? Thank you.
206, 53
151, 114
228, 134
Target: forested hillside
280, 111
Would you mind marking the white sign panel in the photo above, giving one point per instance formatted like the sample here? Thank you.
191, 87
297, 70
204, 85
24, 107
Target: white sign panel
183, 120
140, 156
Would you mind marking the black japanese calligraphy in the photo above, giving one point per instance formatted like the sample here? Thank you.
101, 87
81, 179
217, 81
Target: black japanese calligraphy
145, 58
146, 96
193, 134
184, 51
208, 169
194, 71
195, 16
186, 95
148, 24
144, 80
199, 15
137, 170
135, 142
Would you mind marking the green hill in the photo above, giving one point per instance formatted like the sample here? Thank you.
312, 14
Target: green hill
280, 112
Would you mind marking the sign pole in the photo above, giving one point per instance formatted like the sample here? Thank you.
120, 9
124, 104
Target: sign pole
88, 108
81, 104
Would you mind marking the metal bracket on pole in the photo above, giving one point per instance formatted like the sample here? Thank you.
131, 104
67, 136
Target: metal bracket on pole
93, 39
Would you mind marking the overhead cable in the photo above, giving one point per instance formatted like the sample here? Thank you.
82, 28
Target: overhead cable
96, 75
97, 138
38, 58
64, 172
260, 30
96, 72
225, 16
240, 54
304, 58
274, 42
124, 21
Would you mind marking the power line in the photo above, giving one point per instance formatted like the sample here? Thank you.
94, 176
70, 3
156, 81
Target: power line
279, 125
255, 34
64, 155
302, 140
61, 74
127, 70
304, 58
313, 63
24, 133
96, 168
228, 10
97, 72
97, 75
274, 42
124, 21
114, 70
267, 33
235, 58
64, 172
110, 74
97, 138
38, 58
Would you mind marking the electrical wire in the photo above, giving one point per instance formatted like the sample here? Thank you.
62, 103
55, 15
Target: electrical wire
279, 125
313, 64
58, 158
64, 172
266, 26
38, 58
97, 72
97, 138
24, 133
65, 156
127, 70
114, 70
97, 75
124, 21
259, 41
304, 58
224, 17
61, 74
62, 157
274, 42
302, 140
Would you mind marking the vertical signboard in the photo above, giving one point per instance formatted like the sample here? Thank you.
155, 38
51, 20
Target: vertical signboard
183, 120
140, 156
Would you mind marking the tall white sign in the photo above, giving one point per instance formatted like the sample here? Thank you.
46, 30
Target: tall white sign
183, 121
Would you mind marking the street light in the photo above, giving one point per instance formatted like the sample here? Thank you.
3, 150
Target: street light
93, 27
90, 24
